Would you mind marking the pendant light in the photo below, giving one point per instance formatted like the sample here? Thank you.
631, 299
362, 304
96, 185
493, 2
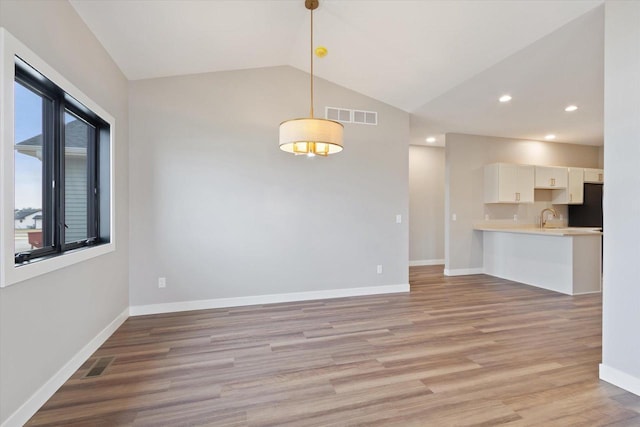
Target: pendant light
311, 136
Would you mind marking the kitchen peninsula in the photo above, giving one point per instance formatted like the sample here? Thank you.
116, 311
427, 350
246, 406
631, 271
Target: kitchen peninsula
566, 260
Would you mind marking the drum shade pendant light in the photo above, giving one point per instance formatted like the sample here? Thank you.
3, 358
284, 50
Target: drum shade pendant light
311, 136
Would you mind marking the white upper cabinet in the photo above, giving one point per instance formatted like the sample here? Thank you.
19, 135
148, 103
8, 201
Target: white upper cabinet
595, 176
574, 193
508, 183
551, 177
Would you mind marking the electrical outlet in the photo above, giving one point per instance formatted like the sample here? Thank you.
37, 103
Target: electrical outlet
162, 282
379, 270
454, 217
515, 217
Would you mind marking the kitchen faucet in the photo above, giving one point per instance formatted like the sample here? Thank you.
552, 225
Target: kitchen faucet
542, 220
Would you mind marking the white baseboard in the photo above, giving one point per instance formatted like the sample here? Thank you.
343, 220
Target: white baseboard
620, 379
39, 398
139, 310
421, 262
463, 271
587, 293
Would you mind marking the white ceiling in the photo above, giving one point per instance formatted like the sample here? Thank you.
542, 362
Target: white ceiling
563, 68
444, 61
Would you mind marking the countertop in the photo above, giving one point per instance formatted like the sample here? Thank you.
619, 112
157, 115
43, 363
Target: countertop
565, 231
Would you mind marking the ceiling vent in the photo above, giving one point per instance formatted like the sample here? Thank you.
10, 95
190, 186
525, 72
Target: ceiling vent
345, 115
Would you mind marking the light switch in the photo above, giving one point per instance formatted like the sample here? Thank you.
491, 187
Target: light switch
398, 219
454, 217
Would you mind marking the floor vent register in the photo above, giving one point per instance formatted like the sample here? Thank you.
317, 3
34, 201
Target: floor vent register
99, 367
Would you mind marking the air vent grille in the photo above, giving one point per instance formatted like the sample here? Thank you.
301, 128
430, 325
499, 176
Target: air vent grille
338, 114
365, 117
98, 368
346, 115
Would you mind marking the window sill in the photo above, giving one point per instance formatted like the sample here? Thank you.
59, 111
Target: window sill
11, 274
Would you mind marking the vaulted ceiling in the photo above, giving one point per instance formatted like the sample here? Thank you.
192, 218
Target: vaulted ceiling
446, 62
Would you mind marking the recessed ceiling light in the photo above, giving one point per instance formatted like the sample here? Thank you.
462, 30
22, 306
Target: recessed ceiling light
550, 137
431, 140
571, 108
505, 98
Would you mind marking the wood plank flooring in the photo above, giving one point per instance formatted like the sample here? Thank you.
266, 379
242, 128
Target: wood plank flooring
461, 351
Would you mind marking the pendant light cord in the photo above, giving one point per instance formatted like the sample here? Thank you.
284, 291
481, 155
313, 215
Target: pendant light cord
311, 51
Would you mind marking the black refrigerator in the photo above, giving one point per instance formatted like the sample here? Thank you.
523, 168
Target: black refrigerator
588, 214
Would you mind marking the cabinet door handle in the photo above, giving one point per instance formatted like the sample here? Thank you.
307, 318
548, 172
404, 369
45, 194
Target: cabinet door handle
517, 197
570, 197
600, 177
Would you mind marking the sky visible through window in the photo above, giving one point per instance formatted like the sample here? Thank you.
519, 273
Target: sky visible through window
28, 169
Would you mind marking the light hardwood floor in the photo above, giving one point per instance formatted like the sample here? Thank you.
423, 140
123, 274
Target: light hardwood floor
472, 350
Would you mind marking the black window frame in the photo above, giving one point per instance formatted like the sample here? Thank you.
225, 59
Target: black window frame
56, 102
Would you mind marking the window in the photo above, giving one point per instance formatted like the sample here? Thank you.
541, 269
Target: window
61, 170
57, 151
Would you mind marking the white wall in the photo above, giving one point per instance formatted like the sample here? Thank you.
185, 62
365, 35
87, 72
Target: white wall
45, 321
426, 205
465, 157
621, 282
204, 148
